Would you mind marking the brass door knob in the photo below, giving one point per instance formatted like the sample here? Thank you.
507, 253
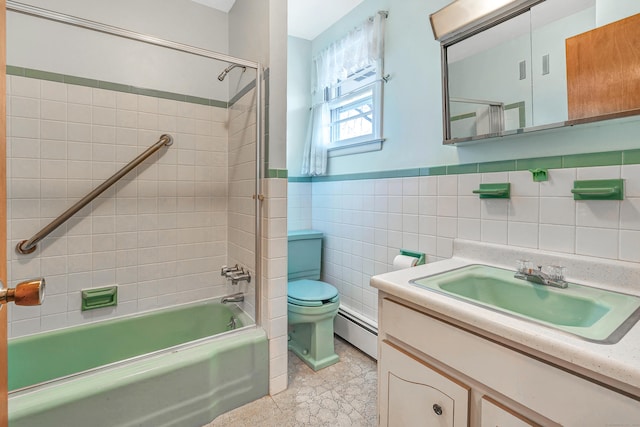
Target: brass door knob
30, 292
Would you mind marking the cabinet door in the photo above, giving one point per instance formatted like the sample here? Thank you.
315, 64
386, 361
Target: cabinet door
413, 393
496, 415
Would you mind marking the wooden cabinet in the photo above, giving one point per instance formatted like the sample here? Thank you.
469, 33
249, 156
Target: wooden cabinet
602, 70
413, 393
425, 360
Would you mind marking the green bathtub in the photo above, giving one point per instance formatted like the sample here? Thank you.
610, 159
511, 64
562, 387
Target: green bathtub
161, 368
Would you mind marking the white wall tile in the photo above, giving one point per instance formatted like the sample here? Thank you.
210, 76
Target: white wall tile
467, 183
630, 214
524, 209
629, 247
523, 185
559, 184
631, 176
524, 234
557, 210
558, 238
72, 137
448, 185
597, 213
492, 231
598, 242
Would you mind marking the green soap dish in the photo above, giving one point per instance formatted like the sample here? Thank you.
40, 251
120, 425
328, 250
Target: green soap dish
598, 189
98, 298
494, 191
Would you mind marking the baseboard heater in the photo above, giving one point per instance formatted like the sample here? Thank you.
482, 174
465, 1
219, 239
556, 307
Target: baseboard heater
357, 330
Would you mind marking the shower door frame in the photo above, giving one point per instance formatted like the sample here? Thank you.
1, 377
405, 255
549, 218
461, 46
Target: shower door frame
145, 38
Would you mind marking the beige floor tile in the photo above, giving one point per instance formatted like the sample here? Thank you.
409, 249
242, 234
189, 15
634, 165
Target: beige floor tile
343, 394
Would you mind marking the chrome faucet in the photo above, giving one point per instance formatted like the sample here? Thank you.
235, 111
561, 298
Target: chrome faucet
228, 271
555, 278
241, 276
237, 297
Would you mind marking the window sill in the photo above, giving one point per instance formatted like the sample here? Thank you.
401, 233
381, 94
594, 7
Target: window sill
357, 148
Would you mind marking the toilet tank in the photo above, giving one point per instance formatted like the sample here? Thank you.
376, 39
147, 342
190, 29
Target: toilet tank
305, 249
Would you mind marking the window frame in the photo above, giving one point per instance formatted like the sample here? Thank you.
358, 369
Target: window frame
335, 100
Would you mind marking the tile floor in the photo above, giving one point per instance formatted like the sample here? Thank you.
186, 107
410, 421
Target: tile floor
343, 394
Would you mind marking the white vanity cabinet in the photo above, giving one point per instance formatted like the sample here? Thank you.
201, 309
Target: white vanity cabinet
477, 380
416, 394
494, 414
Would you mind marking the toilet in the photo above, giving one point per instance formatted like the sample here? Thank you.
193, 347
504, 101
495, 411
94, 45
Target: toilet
311, 304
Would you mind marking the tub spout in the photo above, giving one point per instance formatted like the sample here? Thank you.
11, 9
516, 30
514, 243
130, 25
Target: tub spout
237, 297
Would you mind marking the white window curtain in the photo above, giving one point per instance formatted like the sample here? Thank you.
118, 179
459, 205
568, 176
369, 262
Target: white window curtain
361, 48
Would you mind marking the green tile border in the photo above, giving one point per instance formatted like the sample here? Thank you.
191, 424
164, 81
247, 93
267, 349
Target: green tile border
501, 166
631, 157
607, 158
116, 87
539, 163
279, 173
592, 159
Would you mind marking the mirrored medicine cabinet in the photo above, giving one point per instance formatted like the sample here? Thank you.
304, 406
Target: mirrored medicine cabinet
536, 64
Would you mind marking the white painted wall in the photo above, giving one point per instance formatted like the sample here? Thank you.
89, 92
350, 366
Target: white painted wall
45, 45
258, 32
298, 101
608, 11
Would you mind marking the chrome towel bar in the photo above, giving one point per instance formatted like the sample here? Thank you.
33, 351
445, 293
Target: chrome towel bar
28, 246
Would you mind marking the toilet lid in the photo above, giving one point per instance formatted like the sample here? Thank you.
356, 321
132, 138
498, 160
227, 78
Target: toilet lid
311, 293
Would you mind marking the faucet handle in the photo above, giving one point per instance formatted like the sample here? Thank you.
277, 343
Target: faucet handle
523, 265
556, 272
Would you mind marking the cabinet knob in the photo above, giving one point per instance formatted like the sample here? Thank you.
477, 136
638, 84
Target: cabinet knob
437, 409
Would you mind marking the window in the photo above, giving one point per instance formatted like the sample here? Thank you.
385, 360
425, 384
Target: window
346, 117
355, 106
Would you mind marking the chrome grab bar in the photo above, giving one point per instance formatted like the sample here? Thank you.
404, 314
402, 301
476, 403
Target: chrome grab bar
28, 246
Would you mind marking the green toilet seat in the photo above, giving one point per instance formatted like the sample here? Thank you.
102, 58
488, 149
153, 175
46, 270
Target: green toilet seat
311, 293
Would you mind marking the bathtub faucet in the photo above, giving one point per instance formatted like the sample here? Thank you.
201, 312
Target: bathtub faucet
228, 271
243, 275
237, 297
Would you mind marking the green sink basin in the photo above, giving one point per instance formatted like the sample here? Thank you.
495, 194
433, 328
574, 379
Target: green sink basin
593, 314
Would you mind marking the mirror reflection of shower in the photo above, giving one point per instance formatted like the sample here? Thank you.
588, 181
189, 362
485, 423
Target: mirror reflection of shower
224, 72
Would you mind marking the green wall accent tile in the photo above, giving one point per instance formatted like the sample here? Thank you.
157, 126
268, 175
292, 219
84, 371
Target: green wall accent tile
80, 81
283, 173
154, 93
436, 170
300, 179
44, 75
539, 163
610, 158
118, 87
502, 166
631, 157
460, 169
272, 173
115, 87
219, 104
15, 71
197, 100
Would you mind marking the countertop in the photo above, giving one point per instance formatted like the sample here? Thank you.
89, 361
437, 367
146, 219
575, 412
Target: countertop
616, 365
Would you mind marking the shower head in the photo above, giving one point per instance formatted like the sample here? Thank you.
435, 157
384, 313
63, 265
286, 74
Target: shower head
224, 72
